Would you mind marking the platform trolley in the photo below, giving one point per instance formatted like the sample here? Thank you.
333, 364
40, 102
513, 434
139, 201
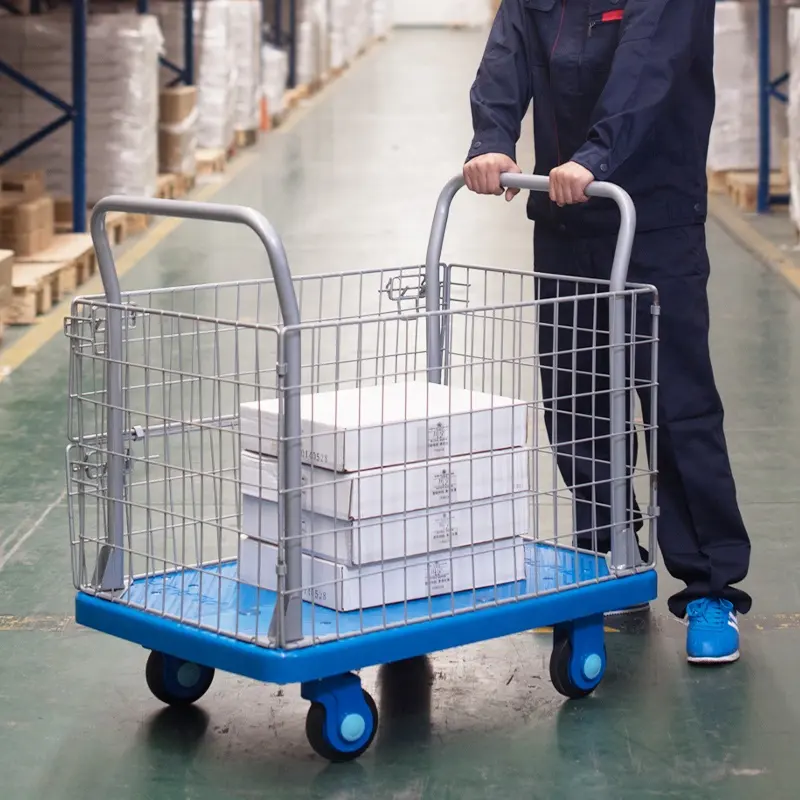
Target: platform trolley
159, 509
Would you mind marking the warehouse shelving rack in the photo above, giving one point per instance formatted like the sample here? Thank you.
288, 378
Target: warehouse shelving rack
74, 113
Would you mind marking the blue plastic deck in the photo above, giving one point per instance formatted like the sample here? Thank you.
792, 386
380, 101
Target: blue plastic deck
213, 597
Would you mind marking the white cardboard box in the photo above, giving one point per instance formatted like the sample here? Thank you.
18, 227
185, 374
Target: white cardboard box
381, 426
345, 588
395, 490
359, 542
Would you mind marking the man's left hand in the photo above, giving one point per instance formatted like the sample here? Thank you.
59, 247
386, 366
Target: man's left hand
568, 184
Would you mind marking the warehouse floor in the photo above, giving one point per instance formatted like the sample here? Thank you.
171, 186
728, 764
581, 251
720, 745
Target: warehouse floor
351, 181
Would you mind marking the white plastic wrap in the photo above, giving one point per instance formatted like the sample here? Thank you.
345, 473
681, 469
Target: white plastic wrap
381, 18
313, 58
794, 114
245, 21
216, 74
471, 13
274, 77
735, 132
122, 100
350, 29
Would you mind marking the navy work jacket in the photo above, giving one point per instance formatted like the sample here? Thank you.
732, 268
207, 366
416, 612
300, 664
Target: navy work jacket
623, 87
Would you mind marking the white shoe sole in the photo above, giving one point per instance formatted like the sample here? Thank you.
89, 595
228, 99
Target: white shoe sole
710, 660
640, 609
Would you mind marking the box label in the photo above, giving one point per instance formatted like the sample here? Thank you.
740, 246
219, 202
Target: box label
437, 440
443, 532
440, 578
443, 488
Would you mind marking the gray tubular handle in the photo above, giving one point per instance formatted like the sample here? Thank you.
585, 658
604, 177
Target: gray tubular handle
624, 550
110, 575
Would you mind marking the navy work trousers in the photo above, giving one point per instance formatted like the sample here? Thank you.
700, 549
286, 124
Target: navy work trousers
700, 529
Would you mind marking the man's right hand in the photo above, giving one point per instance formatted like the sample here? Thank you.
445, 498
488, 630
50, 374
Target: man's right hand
482, 174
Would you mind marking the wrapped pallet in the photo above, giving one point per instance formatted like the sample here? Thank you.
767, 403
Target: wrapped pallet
313, 55
469, 13
381, 18
734, 142
350, 29
121, 101
245, 22
274, 78
216, 76
794, 115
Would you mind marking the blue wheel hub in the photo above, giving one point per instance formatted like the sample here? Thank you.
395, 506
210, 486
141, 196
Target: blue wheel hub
592, 667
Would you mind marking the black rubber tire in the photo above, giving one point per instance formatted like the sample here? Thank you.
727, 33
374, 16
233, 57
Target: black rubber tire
315, 733
560, 659
158, 685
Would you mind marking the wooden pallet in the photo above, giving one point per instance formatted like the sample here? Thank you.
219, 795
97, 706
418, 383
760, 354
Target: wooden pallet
183, 185
246, 138
116, 226
717, 181
165, 186
34, 288
296, 95
136, 224
74, 249
210, 162
743, 188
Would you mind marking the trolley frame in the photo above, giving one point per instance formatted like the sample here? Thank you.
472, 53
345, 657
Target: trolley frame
325, 670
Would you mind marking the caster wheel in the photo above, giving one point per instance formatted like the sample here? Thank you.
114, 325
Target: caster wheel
571, 679
354, 731
176, 682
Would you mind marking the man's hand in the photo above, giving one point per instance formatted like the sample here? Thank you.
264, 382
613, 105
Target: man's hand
482, 174
568, 184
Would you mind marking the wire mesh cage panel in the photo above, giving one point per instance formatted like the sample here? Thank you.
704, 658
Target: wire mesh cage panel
419, 500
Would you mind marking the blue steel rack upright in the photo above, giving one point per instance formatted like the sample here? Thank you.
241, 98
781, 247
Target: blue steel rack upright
769, 89
75, 112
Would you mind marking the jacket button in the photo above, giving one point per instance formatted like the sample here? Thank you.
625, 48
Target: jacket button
604, 168
698, 207
562, 228
476, 145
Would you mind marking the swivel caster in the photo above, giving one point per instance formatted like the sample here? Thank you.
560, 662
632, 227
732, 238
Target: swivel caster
342, 720
176, 682
578, 660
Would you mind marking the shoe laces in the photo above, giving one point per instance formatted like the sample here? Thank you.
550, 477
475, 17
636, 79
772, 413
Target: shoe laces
711, 612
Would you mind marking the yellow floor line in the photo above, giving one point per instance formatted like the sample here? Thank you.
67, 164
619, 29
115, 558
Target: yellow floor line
13, 356
761, 247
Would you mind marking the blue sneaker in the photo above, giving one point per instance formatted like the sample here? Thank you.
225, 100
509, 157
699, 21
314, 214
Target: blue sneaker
713, 635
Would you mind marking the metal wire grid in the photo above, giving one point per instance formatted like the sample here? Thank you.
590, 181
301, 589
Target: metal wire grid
193, 355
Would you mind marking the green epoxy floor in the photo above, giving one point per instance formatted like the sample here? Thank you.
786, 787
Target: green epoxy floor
352, 184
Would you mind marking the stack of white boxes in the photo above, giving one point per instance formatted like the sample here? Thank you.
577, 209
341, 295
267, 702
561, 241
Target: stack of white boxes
410, 490
734, 138
245, 20
121, 100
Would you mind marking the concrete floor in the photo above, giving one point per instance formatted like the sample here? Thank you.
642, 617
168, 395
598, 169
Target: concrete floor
352, 182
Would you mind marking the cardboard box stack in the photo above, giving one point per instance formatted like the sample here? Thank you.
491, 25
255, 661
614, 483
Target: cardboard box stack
122, 100
410, 490
27, 214
216, 75
177, 130
6, 274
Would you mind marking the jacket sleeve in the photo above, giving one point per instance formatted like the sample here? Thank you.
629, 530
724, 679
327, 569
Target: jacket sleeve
654, 50
502, 90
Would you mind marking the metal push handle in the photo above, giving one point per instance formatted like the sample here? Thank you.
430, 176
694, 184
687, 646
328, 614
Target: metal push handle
110, 573
624, 549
